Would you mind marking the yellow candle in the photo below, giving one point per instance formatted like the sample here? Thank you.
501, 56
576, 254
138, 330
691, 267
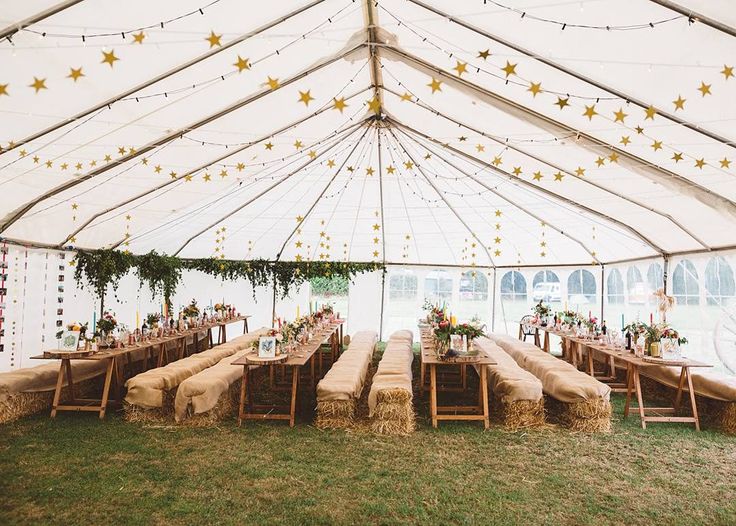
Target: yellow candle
453, 320
297, 312
137, 319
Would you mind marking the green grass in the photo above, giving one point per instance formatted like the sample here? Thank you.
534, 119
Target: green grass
79, 470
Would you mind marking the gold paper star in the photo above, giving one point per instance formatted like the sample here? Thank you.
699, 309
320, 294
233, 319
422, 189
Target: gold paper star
375, 253
639, 130
298, 144
74, 74
657, 145
312, 154
272, 83
484, 54
299, 219
435, 85
409, 165
49, 164
559, 176
562, 102
269, 146
64, 166
498, 213
172, 174
613, 157
369, 171
537, 176
331, 163
241, 64
93, 163
406, 97
187, 178
4, 89
374, 105
699, 163
725, 163
509, 69
38, 84
75, 206
138, 37
339, 104
390, 169
625, 140
620, 115
78, 166
157, 169
535, 88
580, 172
109, 58
240, 167
376, 227
144, 161
223, 173
590, 112
497, 252
650, 113
704, 88
496, 161
22, 153
462, 138
121, 150
480, 148
727, 71
600, 161
36, 159
305, 97
679, 103
461, 68
497, 240
214, 39
516, 170
207, 177
677, 157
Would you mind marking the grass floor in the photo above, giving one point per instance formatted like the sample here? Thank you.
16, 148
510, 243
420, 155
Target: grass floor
79, 470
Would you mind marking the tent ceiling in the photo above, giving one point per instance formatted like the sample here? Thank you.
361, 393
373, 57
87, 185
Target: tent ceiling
498, 140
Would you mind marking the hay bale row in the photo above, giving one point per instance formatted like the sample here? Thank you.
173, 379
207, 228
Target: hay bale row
575, 400
391, 411
339, 390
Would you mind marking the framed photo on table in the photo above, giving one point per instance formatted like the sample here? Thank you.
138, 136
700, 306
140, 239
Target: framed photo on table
69, 341
267, 347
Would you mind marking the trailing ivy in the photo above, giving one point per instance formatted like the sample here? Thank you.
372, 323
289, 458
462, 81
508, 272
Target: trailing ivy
162, 273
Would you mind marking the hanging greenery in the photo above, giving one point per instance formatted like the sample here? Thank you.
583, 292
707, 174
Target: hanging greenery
162, 273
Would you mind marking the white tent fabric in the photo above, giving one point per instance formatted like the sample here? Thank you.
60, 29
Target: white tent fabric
472, 133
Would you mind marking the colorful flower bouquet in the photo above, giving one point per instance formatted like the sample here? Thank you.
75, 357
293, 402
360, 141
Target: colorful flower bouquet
191, 310
153, 319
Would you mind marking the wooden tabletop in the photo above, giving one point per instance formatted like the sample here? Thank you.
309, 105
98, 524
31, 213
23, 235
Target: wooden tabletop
114, 353
304, 352
628, 356
429, 356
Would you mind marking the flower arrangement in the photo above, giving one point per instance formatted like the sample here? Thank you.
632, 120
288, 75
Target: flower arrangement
542, 310
591, 323
568, 316
153, 319
659, 331
191, 310
107, 323
75, 326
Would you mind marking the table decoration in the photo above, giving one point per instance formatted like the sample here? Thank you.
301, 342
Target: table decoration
105, 325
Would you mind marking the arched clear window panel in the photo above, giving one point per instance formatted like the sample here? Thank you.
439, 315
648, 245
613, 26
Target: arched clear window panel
615, 287
581, 287
513, 286
685, 283
719, 282
473, 286
402, 285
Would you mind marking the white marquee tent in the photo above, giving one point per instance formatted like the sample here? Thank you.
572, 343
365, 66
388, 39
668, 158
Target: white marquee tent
410, 132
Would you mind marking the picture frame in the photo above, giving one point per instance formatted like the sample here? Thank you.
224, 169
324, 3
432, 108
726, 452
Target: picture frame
267, 347
69, 341
458, 344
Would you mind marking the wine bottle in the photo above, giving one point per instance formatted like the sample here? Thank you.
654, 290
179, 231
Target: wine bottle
604, 329
628, 340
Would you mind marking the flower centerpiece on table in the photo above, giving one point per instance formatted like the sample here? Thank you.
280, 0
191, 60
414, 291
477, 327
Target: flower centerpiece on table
191, 311
570, 317
274, 333
105, 325
659, 335
591, 323
153, 319
542, 311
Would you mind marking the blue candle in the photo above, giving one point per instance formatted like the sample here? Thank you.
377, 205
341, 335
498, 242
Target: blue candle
622, 321
94, 321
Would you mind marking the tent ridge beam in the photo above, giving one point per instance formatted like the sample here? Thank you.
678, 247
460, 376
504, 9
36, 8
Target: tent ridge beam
23, 209
496, 193
203, 167
162, 76
422, 64
441, 195
552, 195
554, 166
559, 67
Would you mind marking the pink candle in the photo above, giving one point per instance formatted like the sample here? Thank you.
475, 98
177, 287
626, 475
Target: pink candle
651, 318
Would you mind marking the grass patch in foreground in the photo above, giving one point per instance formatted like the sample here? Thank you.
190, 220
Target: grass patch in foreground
79, 470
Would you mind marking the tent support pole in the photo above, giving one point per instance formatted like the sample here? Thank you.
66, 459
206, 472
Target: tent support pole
273, 311
383, 302
493, 303
603, 289
715, 24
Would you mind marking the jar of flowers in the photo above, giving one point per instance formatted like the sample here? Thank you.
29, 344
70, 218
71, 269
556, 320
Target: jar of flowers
105, 325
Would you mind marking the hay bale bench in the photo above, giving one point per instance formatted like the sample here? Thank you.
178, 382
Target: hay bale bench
517, 391
715, 392
579, 401
338, 392
29, 390
151, 394
390, 399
